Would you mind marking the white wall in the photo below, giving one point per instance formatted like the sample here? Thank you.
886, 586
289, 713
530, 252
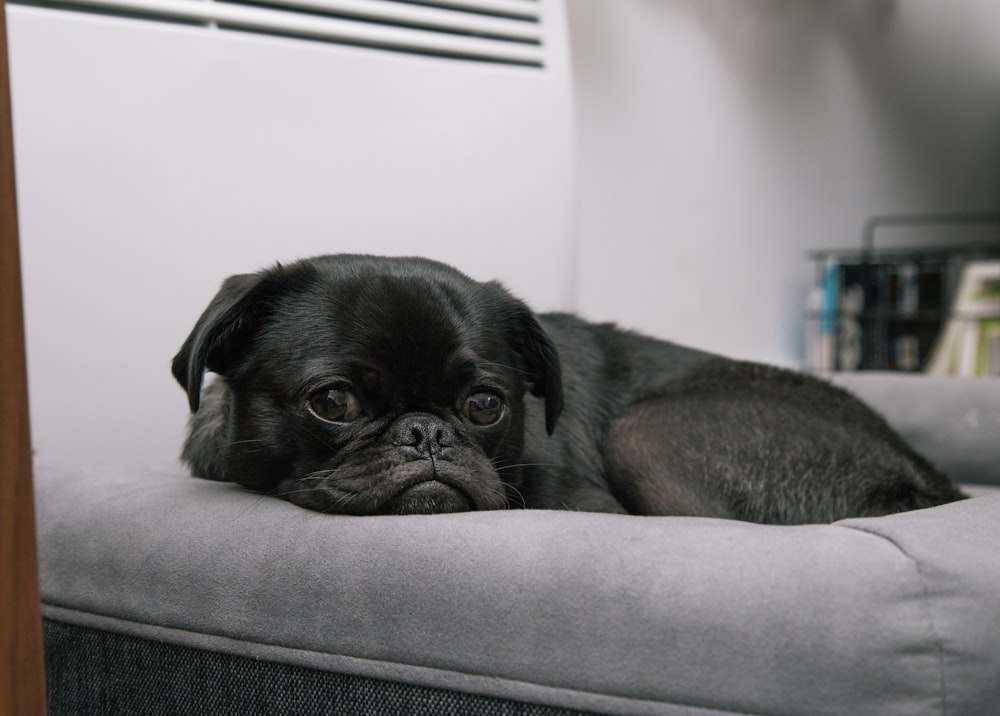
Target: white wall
719, 140
153, 160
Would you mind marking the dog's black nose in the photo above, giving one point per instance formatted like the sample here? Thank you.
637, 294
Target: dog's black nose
425, 433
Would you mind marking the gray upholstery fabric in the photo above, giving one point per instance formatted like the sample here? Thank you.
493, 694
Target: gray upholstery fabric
894, 615
954, 421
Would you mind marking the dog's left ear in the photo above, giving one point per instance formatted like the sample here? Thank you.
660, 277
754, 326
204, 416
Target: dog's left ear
541, 360
218, 335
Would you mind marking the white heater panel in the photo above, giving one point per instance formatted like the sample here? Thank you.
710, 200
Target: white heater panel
153, 159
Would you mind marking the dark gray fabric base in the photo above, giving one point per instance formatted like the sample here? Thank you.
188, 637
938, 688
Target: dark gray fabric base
492, 687
100, 673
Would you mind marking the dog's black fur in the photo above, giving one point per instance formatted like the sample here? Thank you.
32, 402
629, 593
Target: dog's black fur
367, 385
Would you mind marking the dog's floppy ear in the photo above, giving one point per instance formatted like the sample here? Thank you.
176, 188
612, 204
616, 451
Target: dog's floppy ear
542, 362
219, 335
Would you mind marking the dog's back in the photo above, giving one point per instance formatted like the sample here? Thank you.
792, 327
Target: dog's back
670, 430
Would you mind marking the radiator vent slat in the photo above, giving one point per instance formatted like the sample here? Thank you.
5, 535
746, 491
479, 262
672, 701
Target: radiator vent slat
510, 8
405, 15
502, 31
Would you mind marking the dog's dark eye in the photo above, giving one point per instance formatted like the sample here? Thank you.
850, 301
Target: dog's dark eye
483, 408
334, 405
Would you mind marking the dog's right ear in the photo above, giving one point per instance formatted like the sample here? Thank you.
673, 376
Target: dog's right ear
219, 336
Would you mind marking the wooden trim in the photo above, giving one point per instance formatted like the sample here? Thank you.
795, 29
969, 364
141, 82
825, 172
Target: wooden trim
22, 670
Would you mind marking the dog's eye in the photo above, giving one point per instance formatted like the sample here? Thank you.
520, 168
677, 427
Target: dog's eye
483, 408
334, 405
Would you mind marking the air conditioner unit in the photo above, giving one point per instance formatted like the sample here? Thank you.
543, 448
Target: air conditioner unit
161, 145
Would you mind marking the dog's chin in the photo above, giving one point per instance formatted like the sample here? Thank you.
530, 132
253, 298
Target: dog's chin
415, 487
428, 498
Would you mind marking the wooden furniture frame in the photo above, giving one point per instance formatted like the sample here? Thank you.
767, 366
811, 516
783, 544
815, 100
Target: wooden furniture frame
22, 673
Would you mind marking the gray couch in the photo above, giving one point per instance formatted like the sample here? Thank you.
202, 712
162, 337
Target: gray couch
166, 594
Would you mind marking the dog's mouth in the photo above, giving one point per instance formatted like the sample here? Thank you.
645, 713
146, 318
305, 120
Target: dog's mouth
428, 496
423, 486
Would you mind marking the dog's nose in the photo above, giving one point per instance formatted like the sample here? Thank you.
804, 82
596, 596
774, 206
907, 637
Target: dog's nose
425, 433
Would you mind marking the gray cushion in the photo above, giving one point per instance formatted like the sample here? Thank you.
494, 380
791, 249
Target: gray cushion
895, 615
954, 421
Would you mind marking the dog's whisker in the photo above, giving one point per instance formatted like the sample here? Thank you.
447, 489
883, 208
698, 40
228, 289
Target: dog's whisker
509, 488
318, 475
341, 500
496, 462
561, 466
507, 366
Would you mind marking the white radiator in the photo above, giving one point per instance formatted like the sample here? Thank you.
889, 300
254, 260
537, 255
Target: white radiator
161, 145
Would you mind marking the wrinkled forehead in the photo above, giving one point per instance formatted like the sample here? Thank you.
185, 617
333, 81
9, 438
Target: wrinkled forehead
411, 328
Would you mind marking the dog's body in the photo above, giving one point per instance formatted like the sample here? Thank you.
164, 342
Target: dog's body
369, 385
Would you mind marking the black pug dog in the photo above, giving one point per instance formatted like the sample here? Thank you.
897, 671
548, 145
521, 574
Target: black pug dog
367, 385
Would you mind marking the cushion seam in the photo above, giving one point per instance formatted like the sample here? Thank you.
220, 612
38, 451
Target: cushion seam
925, 601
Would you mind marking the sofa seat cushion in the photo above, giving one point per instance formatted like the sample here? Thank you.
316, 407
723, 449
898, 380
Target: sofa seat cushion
604, 613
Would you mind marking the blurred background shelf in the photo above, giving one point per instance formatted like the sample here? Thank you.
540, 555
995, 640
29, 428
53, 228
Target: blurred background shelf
921, 305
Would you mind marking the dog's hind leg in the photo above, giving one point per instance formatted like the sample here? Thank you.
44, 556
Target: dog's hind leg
763, 457
651, 472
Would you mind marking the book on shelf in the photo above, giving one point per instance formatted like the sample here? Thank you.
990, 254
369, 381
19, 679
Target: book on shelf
969, 342
876, 313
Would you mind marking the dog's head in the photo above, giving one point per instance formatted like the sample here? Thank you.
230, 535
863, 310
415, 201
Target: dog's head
365, 385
